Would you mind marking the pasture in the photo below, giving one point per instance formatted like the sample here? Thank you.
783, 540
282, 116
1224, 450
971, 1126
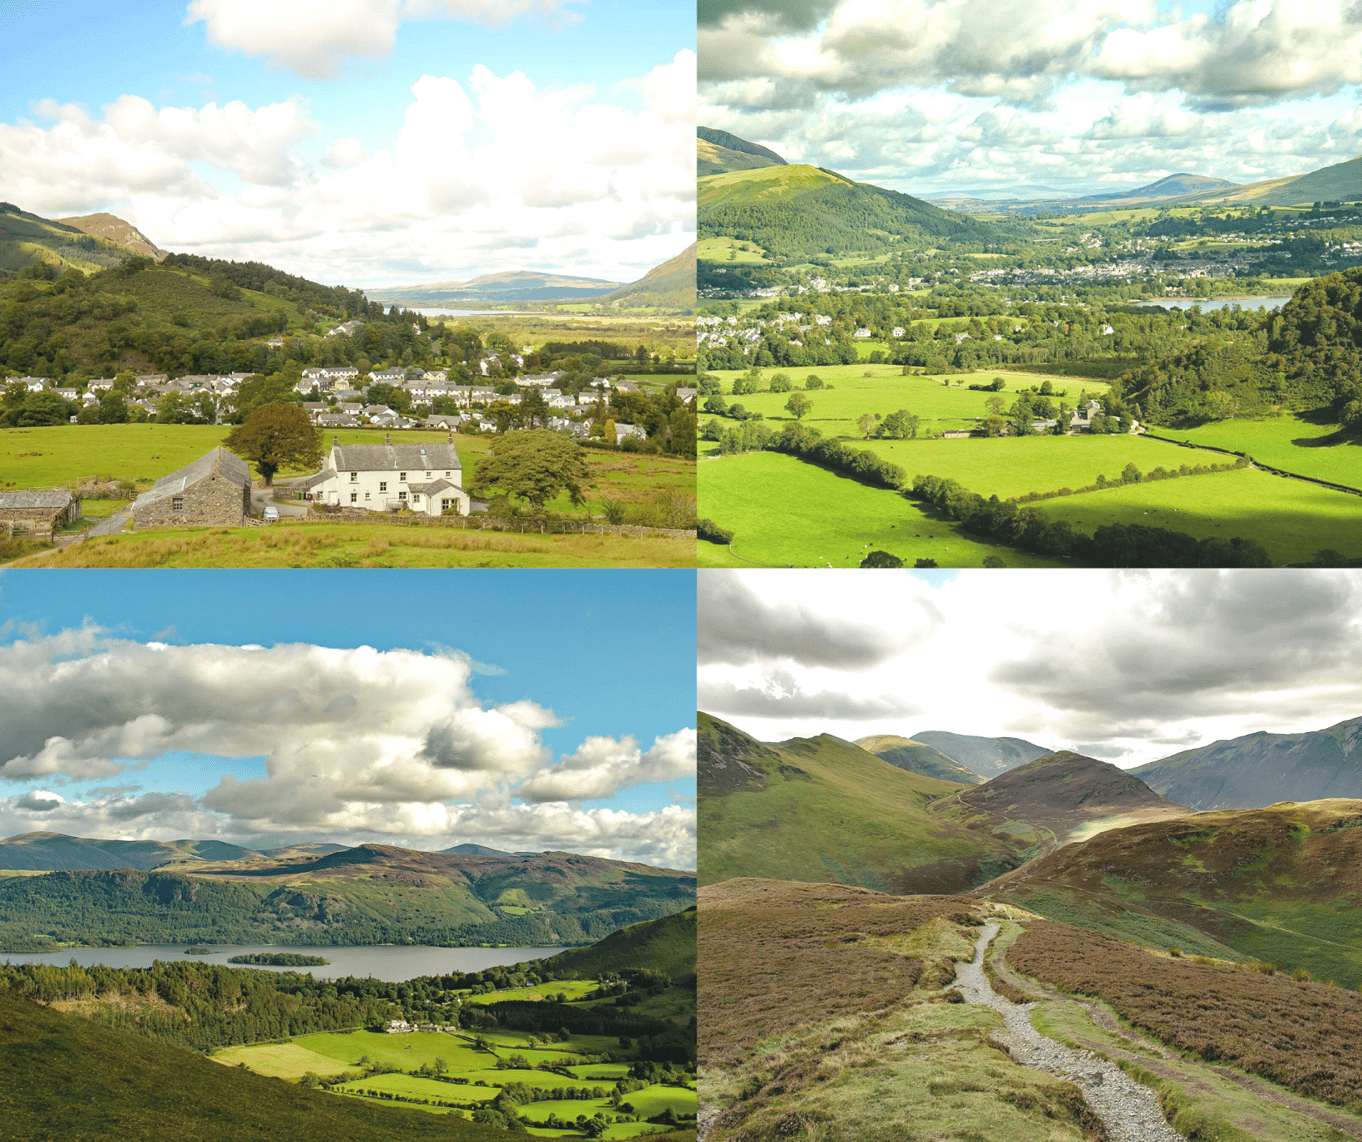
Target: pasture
1305, 443
1007, 466
784, 511
1291, 519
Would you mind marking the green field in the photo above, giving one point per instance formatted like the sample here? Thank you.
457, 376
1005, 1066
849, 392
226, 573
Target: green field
1292, 519
1301, 442
1008, 467
784, 511
886, 390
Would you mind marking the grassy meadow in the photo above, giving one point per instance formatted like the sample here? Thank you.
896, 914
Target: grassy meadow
1304, 443
476, 1073
825, 518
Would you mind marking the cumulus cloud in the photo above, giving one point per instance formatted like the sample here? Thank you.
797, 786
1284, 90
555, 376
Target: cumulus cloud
558, 179
603, 765
317, 38
39, 801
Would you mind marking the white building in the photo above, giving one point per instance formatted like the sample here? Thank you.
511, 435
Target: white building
425, 478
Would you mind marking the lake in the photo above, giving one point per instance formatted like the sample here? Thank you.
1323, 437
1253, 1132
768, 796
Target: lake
1208, 304
471, 312
391, 962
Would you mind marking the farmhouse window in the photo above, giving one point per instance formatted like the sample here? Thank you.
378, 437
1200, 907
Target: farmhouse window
354, 476
401, 477
177, 504
427, 475
446, 475
383, 485
366, 495
445, 505
401, 495
354, 497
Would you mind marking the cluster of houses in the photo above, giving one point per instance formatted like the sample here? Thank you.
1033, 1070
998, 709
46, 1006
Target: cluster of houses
147, 388
402, 1027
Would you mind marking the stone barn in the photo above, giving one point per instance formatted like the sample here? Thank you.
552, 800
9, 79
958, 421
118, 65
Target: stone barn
37, 513
214, 491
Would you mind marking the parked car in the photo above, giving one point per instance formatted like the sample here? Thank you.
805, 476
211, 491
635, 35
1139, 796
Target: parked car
271, 514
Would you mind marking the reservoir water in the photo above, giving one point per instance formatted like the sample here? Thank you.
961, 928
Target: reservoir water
390, 962
1207, 304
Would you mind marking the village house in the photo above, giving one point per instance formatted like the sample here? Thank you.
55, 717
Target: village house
37, 513
214, 491
424, 478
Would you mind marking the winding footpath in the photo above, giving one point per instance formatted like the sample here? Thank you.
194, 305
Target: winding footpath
1129, 1111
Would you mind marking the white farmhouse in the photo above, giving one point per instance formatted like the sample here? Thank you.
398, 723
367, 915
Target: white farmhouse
426, 478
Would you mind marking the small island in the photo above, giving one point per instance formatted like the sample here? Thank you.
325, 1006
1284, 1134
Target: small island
279, 960
199, 950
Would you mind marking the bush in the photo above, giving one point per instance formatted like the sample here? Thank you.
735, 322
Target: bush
708, 529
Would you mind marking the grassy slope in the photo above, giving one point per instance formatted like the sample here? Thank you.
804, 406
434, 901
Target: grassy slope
785, 511
918, 757
826, 810
666, 945
63, 1078
1291, 519
27, 238
1294, 442
1278, 884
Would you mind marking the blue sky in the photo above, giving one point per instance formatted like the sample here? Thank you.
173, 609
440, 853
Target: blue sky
449, 198
609, 654
1025, 97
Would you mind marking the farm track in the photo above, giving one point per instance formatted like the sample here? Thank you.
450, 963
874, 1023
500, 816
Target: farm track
1143, 1047
1130, 1112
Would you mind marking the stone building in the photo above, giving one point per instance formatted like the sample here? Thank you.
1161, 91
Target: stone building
425, 478
214, 491
37, 513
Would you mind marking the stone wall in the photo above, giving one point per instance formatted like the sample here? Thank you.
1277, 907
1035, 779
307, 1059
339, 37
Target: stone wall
214, 501
37, 522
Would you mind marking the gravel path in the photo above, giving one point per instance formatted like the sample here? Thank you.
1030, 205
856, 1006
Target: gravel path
1130, 1111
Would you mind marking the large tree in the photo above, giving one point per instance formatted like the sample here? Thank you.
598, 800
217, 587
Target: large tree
275, 435
534, 465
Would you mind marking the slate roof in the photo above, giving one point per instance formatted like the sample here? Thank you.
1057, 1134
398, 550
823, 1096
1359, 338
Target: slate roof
57, 500
396, 457
434, 488
218, 462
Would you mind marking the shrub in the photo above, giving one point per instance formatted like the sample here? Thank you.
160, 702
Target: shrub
708, 529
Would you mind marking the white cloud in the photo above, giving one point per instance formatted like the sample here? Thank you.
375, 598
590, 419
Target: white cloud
601, 766
490, 174
317, 38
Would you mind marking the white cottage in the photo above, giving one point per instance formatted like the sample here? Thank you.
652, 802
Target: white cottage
425, 478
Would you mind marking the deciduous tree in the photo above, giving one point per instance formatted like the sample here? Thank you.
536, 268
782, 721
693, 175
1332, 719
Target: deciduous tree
276, 435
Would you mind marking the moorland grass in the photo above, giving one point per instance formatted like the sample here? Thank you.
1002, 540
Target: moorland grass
1290, 518
784, 511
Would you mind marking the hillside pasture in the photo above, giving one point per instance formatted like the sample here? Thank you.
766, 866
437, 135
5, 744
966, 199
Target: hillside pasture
1308, 444
786, 512
1290, 518
1012, 466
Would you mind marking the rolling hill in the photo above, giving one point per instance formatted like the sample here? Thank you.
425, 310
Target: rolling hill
917, 757
665, 945
113, 228
1275, 884
670, 286
26, 238
824, 809
987, 757
497, 289
50, 852
718, 152
795, 211
363, 895
1261, 768
1339, 181
1064, 794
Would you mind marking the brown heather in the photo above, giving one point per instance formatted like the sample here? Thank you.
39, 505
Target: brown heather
776, 956
1302, 1035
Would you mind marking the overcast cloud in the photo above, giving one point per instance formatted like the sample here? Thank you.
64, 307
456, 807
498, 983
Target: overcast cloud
913, 93
356, 743
1125, 666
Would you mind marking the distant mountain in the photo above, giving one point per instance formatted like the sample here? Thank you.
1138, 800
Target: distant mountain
116, 230
27, 238
918, 757
364, 895
496, 289
1340, 181
799, 211
823, 809
670, 286
718, 151
50, 852
985, 756
304, 851
1263, 768
1066, 795
476, 850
